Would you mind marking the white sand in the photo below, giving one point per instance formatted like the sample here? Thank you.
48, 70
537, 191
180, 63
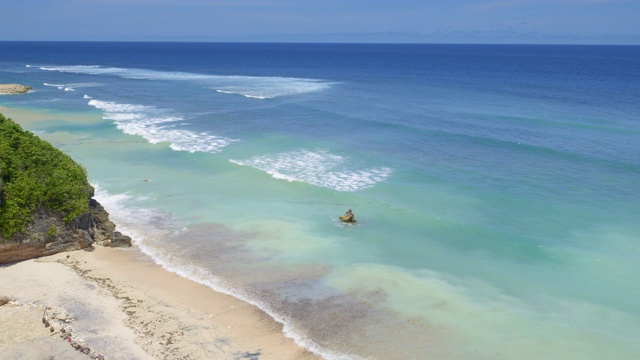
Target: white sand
129, 308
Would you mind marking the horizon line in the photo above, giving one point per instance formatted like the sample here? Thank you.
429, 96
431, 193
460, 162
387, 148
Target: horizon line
315, 42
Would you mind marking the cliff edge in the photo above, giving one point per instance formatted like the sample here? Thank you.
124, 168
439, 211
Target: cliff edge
46, 201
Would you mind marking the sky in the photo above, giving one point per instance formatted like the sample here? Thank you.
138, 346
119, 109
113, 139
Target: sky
406, 21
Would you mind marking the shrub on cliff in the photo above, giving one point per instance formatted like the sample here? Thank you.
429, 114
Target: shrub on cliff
35, 174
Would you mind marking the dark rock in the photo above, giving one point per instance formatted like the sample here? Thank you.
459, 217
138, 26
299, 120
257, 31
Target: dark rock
4, 300
48, 234
120, 240
102, 227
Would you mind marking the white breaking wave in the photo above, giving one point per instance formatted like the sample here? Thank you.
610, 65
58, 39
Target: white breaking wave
318, 168
239, 93
157, 126
72, 87
87, 97
256, 87
141, 224
59, 86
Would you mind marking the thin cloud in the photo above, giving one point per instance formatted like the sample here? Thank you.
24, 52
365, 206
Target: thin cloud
501, 4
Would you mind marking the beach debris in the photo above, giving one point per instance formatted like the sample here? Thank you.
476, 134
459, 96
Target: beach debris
348, 217
4, 300
57, 321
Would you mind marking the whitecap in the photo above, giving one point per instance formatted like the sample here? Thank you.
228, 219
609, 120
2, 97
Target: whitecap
58, 86
79, 69
85, 84
239, 93
254, 87
159, 126
72, 86
87, 97
144, 224
319, 168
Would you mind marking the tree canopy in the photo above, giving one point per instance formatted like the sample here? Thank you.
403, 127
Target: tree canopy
35, 174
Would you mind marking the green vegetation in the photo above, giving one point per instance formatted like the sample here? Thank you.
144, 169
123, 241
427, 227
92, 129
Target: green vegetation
52, 231
35, 174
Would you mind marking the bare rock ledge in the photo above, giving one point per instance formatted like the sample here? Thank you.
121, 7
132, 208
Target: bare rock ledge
48, 235
14, 89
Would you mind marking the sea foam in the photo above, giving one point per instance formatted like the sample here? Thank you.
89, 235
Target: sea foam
144, 224
254, 87
159, 126
73, 86
318, 168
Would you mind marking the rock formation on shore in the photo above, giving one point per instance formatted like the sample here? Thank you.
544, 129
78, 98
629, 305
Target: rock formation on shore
46, 201
14, 89
48, 234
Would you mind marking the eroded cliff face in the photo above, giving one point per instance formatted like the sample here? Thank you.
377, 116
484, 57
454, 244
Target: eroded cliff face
48, 234
46, 201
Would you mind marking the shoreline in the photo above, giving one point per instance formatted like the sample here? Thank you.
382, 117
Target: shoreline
168, 315
246, 328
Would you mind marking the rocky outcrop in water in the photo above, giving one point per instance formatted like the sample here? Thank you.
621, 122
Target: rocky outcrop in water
14, 89
48, 234
348, 217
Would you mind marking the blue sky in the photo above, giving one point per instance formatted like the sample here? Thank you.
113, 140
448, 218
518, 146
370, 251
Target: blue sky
438, 21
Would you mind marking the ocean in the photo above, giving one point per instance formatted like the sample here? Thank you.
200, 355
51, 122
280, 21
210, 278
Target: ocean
496, 187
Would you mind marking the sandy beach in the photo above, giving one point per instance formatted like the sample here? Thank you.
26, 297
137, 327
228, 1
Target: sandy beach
123, 306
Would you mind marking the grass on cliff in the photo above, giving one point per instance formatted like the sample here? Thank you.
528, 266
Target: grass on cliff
35, 174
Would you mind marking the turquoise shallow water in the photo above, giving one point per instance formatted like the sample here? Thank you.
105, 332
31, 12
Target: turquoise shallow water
495, 187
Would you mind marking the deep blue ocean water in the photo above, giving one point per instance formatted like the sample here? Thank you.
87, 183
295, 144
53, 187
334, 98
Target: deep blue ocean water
496, 187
